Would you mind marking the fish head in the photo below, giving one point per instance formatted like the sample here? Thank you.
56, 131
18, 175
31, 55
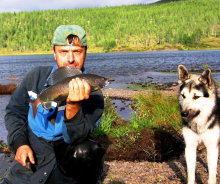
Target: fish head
98, 83
101, 82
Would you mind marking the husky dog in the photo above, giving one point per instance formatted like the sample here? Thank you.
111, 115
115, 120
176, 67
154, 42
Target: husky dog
200, 112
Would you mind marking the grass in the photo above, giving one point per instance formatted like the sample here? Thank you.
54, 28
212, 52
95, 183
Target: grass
155, 116
211, 43
109, 116
3, 145
154, 110
157, 111
4, 175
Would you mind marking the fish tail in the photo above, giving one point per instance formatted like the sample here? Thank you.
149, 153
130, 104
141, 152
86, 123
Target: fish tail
34, 104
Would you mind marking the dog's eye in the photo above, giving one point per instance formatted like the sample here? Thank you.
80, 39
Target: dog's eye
196, 97
183, 95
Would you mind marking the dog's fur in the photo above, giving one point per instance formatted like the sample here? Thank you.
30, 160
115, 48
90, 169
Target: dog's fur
200, 111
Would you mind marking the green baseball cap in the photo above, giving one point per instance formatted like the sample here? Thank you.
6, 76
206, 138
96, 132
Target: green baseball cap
62, 32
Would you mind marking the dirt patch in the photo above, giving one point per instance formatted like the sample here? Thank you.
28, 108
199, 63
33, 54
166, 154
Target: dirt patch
147, 145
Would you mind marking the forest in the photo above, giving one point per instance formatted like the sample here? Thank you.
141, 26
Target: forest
172, 24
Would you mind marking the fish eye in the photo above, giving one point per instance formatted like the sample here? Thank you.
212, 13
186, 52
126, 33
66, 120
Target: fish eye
183, 96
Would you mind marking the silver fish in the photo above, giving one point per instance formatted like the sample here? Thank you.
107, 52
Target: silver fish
60, 91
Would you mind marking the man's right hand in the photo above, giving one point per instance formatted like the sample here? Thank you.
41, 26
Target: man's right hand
22, 153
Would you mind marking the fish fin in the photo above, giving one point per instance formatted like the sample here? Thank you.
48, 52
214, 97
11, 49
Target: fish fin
46, 105
95, 88
62, 73
34, 104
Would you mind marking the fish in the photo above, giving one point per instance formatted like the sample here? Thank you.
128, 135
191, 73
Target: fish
60, 90
61, 73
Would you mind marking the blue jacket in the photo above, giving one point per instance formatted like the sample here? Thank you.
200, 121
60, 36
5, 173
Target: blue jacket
38, 133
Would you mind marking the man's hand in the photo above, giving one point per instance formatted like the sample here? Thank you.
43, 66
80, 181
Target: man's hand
22, 153
78, 91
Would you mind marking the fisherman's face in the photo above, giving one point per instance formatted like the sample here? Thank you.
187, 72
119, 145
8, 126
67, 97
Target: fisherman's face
70, 56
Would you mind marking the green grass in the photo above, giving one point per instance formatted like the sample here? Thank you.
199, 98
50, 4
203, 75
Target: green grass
157, 112
154, 111
4, 175
3, 145
109, 116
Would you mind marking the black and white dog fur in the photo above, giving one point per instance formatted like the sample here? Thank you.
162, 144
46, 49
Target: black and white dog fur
200, 111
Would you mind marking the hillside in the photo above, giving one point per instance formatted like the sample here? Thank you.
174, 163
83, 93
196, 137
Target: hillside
184, 24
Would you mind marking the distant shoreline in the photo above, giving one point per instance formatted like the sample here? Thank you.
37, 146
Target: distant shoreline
116, 50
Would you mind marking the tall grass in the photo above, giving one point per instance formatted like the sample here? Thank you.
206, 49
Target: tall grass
152, 110
157, 111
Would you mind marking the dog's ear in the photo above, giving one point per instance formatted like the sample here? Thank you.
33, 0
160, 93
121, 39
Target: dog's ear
206, 78
183, 74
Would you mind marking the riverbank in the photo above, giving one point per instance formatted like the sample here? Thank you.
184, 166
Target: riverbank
210, 43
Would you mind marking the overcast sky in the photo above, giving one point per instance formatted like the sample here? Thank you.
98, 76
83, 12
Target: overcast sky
30, 5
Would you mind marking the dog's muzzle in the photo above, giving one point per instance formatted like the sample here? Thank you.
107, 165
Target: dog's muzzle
189, 114
184, 114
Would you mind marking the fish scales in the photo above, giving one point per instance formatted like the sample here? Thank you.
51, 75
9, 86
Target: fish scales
60, 91
61, 73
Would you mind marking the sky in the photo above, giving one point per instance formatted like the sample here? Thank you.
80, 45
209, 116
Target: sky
30, 5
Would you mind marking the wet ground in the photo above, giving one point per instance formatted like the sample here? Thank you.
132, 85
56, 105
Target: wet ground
3, 101
123, 108
5, 163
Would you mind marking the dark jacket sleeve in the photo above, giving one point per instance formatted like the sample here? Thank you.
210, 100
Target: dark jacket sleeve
16, 117
17, 109
84, 122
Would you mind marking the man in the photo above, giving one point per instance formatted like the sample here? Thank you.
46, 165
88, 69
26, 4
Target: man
73, 120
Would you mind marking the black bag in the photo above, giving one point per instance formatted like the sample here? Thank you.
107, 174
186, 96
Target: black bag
82, 161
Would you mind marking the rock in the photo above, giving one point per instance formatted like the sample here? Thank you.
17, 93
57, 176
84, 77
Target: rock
8, 89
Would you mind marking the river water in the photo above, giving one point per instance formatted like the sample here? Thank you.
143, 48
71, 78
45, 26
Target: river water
125, 68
